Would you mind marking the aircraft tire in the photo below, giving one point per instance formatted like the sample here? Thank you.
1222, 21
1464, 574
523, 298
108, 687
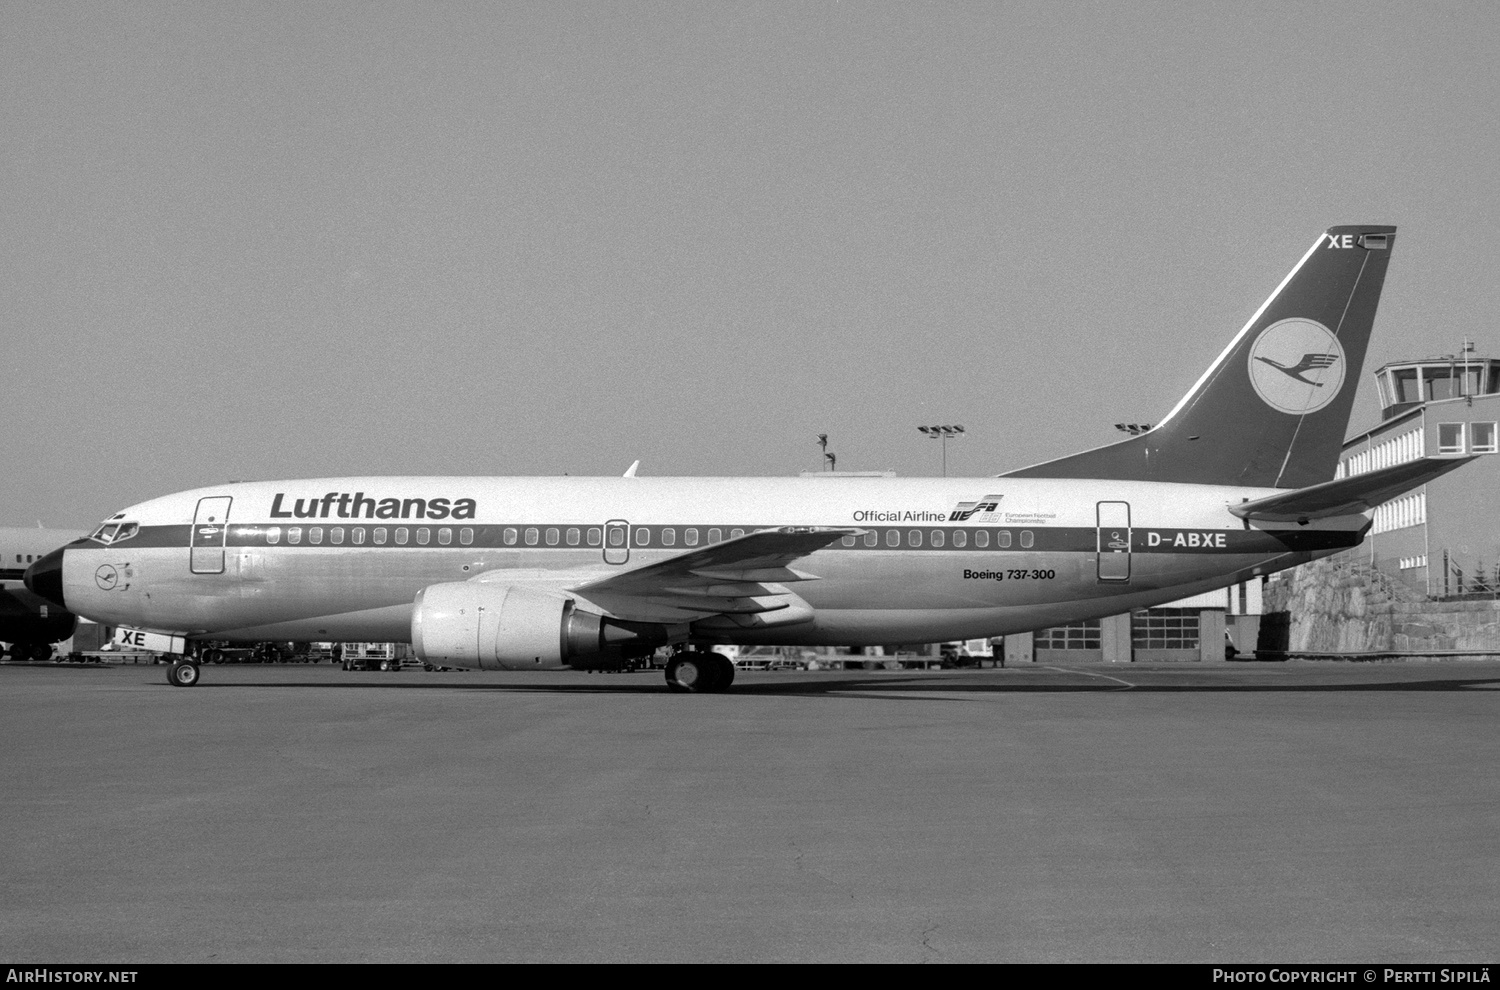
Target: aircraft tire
41, 651
724, 675
690, 671
184, 673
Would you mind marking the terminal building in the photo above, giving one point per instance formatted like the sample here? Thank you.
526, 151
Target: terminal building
1443, 539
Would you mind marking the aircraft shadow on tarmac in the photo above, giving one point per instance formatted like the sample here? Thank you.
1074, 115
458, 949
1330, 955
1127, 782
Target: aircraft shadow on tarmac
915, 687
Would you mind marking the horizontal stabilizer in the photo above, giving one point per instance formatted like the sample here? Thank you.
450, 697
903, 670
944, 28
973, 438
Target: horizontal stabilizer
1347, 496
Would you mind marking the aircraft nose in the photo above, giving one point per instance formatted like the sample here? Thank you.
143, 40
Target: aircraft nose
45, 578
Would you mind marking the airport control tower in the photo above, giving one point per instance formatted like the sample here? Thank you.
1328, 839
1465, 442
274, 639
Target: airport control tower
1405, 385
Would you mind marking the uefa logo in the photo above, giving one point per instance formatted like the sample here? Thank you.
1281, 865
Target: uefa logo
1297, 366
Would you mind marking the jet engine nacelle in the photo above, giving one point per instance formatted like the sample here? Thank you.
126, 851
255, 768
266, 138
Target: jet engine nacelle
511, 627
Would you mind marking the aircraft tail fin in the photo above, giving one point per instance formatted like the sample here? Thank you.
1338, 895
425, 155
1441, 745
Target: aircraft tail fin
1272, 410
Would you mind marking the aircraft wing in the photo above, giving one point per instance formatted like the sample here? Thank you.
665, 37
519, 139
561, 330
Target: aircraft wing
1346, 496
742, 581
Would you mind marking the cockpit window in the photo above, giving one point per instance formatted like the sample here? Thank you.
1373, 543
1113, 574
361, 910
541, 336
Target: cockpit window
116, 532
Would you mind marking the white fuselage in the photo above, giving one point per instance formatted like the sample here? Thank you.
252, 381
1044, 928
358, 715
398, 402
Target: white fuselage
927, 559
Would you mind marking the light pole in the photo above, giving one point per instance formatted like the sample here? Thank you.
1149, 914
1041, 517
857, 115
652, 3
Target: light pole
943, 433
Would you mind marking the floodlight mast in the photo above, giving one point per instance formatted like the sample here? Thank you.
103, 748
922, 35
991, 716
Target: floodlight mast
943, 433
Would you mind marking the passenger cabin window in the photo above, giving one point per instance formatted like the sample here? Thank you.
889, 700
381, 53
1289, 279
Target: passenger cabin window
315, 534
892, 538
379, 536
401, 535
466, 536
690, 537
643, 537
294, 534
552, 536
510, 536
596, 536
715, 535
532, 535
336, 535
735, 534
357, 536
1002, 538
273, 535
914, 538
937, 537
848, 541
424, 536
982, 538
960, 537
445, 536
573, 535
872, 538
1027, 539
668, 537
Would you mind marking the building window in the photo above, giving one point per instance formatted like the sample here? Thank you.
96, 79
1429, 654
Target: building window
1077, 636
1165, 629
1482, 438
1450, 438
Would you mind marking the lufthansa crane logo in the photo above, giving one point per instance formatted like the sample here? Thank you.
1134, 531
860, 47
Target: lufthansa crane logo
1297, 366
106, 577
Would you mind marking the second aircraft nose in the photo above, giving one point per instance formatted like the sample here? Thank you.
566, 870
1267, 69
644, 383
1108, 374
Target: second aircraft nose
45, 578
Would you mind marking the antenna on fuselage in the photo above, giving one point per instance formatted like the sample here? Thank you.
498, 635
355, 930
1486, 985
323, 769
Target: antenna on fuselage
630, 471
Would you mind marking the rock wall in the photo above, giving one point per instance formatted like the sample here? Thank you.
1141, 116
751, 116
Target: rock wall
1336, 606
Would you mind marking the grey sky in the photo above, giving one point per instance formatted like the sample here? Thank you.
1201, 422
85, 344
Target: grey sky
259, 240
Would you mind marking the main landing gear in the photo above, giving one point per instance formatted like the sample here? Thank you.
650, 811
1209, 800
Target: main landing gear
183, 672
701, 671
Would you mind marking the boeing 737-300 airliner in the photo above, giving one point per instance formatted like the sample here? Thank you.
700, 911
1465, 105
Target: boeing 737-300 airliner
532, 573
